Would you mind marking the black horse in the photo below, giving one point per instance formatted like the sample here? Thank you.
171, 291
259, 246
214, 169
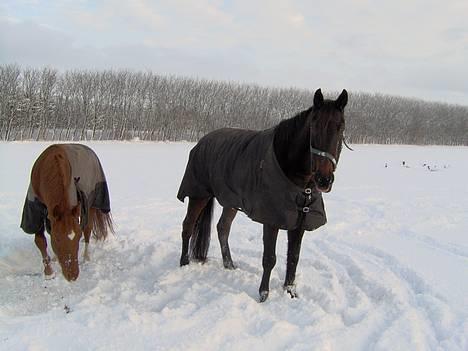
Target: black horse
275, 176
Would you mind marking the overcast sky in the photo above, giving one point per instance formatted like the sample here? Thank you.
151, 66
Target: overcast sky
410, 48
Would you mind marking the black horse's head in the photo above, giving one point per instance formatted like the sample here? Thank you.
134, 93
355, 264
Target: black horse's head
327, 126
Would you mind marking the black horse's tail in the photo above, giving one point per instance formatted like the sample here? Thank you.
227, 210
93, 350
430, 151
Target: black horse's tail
200, 240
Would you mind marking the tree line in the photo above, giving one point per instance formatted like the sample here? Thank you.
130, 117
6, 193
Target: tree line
45, 104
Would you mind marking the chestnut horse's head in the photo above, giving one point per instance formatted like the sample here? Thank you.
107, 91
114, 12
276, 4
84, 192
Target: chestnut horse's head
326, 137
65, 237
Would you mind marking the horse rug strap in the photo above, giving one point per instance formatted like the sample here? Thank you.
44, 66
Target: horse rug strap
240, 169
88, 187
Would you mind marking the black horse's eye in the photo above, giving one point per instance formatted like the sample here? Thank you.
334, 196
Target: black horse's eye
341, 127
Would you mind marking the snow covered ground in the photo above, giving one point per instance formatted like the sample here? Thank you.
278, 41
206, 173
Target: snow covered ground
388, 272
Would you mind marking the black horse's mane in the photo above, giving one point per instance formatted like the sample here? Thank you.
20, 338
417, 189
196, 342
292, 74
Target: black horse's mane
289, 142
288, 127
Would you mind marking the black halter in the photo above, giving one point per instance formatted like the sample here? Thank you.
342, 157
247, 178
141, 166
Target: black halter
323, 154
314, 151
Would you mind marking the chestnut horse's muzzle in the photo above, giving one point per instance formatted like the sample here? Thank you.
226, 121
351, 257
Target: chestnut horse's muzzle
70, 268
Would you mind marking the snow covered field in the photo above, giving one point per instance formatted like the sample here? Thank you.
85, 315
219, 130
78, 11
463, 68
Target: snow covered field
388, 272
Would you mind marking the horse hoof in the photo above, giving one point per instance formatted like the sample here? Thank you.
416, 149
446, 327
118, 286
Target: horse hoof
291, 290
229, 266
184, 261
48, 271
49, 276
263, 296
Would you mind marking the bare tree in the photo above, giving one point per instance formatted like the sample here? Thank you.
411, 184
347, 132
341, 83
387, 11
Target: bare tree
79, 105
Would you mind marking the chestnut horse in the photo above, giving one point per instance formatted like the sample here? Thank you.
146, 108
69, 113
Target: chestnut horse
67, 196
275, 176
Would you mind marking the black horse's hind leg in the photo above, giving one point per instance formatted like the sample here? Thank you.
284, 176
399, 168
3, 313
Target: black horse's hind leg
41, 243
270, 234
224, 227
294, 248
194, 208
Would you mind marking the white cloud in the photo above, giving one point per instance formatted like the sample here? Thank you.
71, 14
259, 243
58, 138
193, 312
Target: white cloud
417, 48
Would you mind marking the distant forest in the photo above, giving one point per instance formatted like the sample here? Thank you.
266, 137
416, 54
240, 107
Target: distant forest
45, 104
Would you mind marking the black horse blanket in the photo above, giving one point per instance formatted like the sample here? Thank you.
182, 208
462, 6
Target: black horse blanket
240, 169
88, 187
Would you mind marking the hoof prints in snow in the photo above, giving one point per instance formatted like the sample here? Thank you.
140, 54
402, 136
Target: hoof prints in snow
363, 281
394, 297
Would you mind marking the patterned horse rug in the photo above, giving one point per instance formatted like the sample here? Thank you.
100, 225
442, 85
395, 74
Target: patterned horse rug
240, 169
87, 186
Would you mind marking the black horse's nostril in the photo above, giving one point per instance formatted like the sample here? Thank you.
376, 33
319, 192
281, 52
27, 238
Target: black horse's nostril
322, 181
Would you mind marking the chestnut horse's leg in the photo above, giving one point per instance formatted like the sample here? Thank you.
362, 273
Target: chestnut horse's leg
270, 234
224, 227
41, 243
294, 248
87, 234
194, 208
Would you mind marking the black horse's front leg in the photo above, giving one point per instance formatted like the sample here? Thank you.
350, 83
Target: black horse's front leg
270, 234
294, 248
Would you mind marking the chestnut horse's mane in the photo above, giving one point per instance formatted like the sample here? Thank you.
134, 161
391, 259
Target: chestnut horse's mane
51, 177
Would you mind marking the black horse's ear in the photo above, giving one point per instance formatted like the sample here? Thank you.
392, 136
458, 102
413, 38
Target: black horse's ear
318, 98
342, 100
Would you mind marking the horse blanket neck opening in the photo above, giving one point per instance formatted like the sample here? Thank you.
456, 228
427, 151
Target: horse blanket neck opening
88, 187
239, 168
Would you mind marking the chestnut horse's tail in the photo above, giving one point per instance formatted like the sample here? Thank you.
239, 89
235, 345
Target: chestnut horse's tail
200, 240
102, 223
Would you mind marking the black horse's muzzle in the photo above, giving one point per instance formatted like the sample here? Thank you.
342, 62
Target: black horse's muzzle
324, 183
